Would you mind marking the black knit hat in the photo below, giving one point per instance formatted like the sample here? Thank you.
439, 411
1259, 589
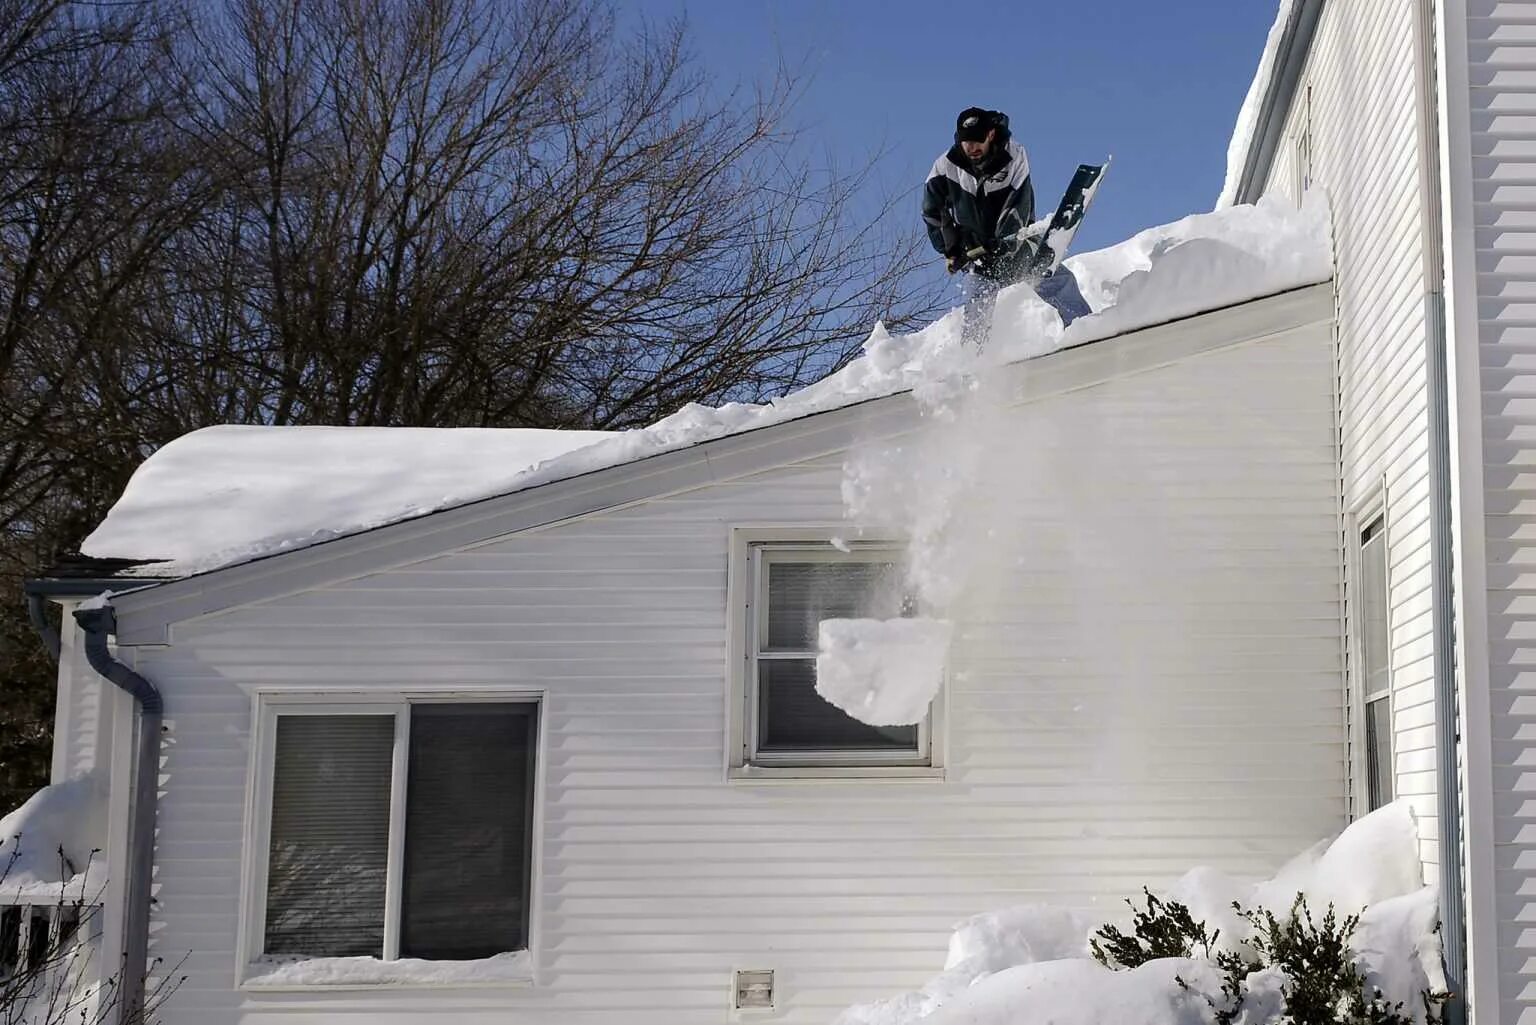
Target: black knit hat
974, 123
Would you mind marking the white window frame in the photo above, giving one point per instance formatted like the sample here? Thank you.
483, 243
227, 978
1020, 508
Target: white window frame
1368, 513
267, 707
751, 548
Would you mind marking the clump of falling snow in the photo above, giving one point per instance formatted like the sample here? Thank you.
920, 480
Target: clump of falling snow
883, 672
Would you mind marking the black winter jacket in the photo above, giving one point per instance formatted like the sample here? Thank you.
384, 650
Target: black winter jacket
967, 205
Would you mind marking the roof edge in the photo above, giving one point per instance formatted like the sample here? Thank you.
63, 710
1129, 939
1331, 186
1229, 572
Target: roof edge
145, 616
1279, 91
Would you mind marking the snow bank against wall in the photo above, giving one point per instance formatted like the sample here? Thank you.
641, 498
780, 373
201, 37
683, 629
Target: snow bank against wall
225, 495
53, 839
1024, 965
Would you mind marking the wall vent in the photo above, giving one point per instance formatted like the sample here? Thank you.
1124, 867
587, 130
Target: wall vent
753, 990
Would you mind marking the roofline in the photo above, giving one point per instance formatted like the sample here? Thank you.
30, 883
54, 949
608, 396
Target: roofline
145, 616
87, 587
1279, 91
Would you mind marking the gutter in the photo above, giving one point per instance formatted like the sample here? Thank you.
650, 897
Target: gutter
38, 593
1453, 913
1285, 73
96, 623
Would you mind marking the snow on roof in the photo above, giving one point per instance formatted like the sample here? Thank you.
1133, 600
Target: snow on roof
225, 495
228, 494
1248, 115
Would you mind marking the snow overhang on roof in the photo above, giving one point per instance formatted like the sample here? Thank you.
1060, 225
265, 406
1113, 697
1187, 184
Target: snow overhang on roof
1260, 122
226, 496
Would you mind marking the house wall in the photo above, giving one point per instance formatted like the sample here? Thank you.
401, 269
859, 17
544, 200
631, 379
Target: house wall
1365, 156
1189, 510
1490, 88
83, 712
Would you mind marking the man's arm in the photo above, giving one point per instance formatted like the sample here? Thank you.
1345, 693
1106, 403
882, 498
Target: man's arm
935, 203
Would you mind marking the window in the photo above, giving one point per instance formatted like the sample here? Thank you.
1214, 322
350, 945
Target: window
786, 589
398, 831
1301, 148
1374, 665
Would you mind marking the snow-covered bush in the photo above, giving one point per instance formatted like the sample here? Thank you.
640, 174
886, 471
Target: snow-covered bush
1193, 949
1165, 928
1310, 965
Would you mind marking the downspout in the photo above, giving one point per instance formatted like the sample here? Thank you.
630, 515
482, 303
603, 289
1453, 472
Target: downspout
1441, 526
45, 630
97, 623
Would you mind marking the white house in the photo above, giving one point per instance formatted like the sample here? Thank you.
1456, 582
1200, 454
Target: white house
1255, 567
575, 720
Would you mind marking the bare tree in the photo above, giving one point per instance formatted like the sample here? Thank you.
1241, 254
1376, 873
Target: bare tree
386, 212
467, 212
91, 189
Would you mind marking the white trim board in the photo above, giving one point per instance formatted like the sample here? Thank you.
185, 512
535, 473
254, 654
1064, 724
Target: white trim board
146, 616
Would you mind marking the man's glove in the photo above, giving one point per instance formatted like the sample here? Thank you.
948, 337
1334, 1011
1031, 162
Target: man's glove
955, 258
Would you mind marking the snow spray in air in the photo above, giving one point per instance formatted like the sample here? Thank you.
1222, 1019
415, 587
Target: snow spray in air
1011, 511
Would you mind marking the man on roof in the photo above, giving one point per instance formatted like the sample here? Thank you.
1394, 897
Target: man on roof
979, 199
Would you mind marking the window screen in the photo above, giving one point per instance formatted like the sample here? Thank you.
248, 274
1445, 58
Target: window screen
792, 719
467, 831
330, 835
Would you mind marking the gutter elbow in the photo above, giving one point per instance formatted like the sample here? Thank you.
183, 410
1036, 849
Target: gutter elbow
97, 623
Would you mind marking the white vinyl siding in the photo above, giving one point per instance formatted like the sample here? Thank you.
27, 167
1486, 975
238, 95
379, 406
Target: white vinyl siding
1500, 60
1076, 771
1357, 106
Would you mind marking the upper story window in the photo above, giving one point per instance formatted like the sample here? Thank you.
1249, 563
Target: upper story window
1301, 147
1375, 665
790, 587
397, 831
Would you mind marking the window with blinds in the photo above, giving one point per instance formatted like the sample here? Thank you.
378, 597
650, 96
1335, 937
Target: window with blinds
432, 865
796, 587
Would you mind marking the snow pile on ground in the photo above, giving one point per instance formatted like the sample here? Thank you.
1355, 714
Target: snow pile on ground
1031, 964
226, 495
277, 973
883, 672
1248, 115
53, 839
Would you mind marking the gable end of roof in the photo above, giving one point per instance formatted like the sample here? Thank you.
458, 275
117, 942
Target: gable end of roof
1278, 92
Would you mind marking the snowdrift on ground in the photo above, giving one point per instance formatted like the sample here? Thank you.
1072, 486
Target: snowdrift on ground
1031, 964
225, 495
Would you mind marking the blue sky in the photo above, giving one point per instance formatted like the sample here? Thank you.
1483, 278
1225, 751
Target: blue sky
1158, 85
